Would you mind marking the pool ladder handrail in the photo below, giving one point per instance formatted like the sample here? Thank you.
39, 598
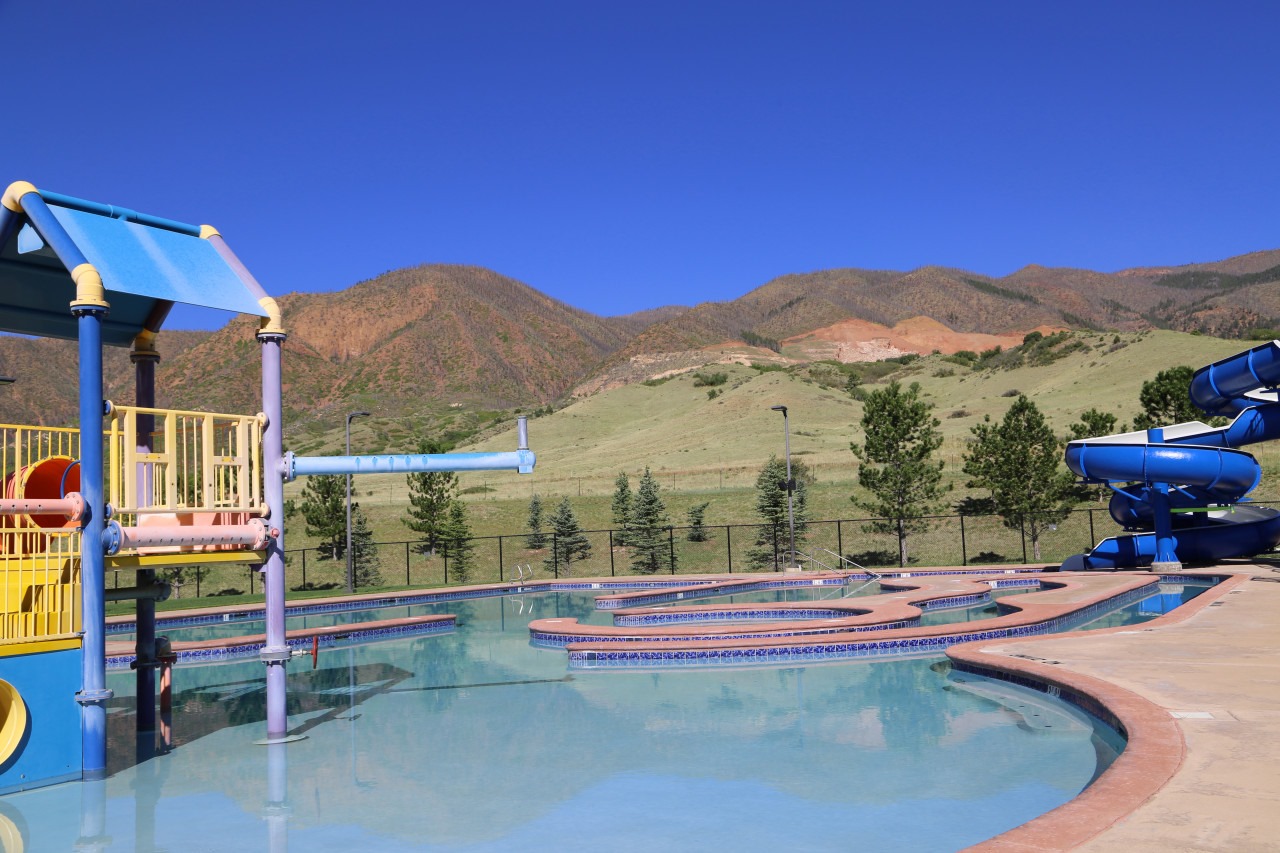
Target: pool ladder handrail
523, 573
845, 564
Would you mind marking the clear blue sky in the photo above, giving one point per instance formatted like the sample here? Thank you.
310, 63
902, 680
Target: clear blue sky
625, 155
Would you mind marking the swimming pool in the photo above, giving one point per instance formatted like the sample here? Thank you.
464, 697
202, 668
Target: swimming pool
477, 740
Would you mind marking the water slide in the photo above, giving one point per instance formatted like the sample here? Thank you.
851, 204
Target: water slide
1178, 488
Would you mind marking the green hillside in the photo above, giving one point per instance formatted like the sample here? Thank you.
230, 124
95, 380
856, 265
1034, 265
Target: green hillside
703, 448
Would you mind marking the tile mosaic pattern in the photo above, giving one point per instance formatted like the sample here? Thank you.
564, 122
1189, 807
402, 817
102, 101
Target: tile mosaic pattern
253, 645
592, 658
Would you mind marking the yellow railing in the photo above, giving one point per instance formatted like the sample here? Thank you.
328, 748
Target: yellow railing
198, 462
39, 555
205, 468
40, 593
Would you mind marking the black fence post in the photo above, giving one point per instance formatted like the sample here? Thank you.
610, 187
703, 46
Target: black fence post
1022, 524
304, 568
964, 548
902, 564
555, 558
406, 565
1093, 539
839, 542
444, 549
612, 573
671, 540
728, 546
775, 546
502, 572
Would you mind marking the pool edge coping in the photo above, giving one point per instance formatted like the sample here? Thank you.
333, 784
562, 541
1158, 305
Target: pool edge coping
1156, 747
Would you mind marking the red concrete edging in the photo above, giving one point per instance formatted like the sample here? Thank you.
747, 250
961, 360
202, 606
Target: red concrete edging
1155, 750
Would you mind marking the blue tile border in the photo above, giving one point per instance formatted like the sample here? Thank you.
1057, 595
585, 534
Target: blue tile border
240, 651
844, 650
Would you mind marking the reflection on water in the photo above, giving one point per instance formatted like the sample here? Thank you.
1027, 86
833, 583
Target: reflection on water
479, 741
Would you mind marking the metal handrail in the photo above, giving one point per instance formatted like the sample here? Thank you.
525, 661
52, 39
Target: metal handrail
845, 562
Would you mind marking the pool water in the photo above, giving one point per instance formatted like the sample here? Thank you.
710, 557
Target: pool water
478, 741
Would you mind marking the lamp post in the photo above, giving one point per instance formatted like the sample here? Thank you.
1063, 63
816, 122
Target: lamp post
350, 564
791, 486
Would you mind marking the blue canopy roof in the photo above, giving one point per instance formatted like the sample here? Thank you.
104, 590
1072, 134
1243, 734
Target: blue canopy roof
145, 263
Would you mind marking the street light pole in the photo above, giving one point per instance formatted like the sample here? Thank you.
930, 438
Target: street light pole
791, 485
350, 565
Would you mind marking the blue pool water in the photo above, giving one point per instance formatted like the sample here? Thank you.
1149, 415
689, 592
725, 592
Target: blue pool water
478, 741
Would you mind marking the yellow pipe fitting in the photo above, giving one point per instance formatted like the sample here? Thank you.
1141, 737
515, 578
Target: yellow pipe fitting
207, 231
272, 323
89, 290
144, 345
13, 195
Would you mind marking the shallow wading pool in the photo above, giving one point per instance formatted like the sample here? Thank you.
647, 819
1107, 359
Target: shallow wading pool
477, 740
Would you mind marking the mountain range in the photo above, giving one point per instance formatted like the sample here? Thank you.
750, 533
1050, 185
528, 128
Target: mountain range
454, 347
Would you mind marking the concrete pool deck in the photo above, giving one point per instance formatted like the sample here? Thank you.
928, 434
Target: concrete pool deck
1200, 689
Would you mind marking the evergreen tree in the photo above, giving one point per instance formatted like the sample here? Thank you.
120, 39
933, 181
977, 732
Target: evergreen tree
621, 508
650, 548
1020, 462
1094, 423
697, 516
535, 541
773, 536
1167, 399
430, 495
898, 468
324, 510
455, 538
569, 543
366, 570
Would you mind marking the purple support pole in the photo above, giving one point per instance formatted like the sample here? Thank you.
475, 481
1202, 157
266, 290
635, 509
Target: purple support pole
144, 374
276, 653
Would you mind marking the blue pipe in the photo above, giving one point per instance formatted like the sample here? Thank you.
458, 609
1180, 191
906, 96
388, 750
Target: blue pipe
52, 232
9, 221
119, 213
408, 463
93, 693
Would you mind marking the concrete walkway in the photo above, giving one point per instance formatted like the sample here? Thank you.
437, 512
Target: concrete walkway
1210, 675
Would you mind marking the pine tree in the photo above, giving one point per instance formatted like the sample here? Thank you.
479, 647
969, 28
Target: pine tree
621, 508
430, 495
898, 470
569, 543
650, 548
365, 568
324, 510
455, 538
535, 541
1020, 462
773, 536
1167, 399
697, 516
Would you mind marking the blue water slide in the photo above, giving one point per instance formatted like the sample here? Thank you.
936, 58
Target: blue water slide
1192, 472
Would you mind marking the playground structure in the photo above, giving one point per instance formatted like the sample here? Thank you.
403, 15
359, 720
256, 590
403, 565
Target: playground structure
146, 490
1179, 488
